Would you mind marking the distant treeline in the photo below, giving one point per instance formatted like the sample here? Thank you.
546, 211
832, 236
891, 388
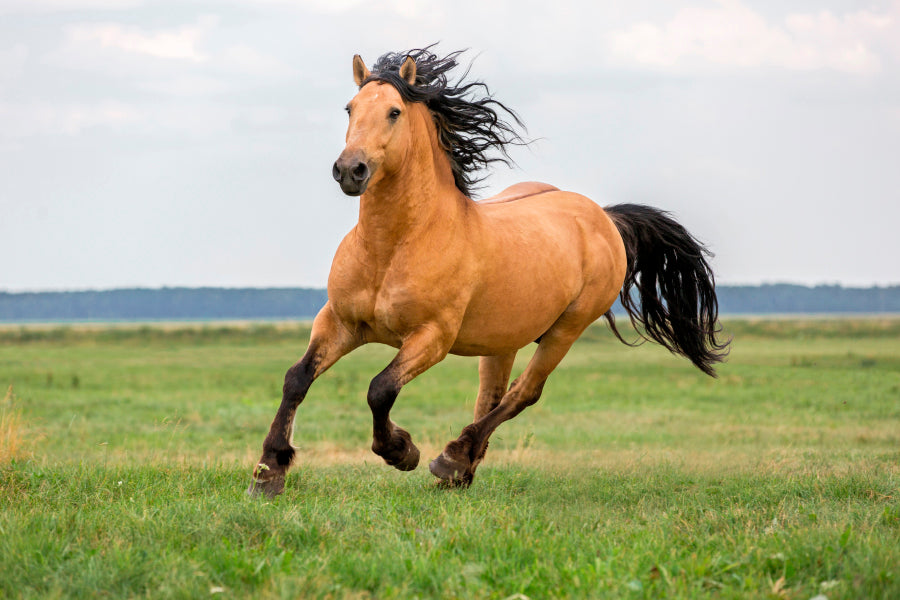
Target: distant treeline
163, 304
798, 299
303, 303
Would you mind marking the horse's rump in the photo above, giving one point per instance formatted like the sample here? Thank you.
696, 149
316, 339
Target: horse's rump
543, 255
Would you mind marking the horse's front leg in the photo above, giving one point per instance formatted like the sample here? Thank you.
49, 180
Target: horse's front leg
329, 340
419, 351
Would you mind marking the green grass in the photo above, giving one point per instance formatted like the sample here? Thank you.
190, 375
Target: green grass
634, 477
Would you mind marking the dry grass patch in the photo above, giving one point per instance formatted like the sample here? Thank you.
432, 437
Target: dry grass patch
11, 437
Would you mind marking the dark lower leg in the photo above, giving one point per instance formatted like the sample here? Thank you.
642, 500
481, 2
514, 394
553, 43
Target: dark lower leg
420, 350
389, 441
329, 341
457, 463
459, 459
278, 453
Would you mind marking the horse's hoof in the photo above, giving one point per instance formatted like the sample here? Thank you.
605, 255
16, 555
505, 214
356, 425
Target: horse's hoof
399, 452
410, 461
451, 471
269, 489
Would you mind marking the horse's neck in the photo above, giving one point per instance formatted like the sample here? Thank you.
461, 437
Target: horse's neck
418, 198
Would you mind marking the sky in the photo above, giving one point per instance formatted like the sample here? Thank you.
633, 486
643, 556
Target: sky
190, 143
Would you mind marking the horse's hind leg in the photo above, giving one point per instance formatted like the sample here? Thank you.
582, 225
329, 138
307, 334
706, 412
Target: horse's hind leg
457, 463
329, 341
493, 379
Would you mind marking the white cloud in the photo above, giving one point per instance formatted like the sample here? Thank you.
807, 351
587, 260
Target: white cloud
221, 72
403, 8
329, 6
195, 62
246, 59
12, 62
180, 43
187, 86
183, 121
24, 120
733, 35
52, 6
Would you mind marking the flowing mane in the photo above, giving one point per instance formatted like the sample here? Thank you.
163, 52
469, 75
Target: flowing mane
468, 119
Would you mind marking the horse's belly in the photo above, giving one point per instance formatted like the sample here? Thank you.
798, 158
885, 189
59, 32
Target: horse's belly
491, 343
507, 317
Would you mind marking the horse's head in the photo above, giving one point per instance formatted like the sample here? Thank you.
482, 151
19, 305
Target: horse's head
379, 130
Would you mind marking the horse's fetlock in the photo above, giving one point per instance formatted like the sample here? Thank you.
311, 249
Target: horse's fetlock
285, 457
394, 444
469, 432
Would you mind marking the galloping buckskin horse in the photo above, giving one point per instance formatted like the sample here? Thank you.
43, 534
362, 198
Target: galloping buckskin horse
429, 271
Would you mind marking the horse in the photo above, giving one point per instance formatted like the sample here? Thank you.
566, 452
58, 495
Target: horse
430, 271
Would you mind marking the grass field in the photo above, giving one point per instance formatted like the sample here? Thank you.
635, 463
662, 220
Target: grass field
125, 452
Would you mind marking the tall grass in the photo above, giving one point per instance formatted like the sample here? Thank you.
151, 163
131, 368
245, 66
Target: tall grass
10, 428
635, 476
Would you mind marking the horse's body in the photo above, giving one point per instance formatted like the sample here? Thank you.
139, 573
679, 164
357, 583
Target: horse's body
431, 272
470, 272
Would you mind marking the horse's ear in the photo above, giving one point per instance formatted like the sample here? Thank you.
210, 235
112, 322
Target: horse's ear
360, 71
408, 70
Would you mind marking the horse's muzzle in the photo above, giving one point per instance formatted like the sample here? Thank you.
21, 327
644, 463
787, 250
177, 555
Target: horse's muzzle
352, 174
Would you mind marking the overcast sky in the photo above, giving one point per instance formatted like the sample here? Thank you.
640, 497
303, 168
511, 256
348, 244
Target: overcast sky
190, 143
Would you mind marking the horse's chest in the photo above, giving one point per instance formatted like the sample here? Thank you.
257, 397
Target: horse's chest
388, 304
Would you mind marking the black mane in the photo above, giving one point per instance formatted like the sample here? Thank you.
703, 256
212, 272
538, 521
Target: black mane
469, 123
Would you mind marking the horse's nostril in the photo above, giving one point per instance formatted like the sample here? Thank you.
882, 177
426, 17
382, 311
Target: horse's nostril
360, 171
336, 172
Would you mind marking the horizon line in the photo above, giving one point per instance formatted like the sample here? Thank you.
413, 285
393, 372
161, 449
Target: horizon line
75, 290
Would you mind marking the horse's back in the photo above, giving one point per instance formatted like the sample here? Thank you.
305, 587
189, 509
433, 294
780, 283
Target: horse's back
540, 209
518, 191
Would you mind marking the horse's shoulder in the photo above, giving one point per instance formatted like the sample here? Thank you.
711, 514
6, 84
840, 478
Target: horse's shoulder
519, 191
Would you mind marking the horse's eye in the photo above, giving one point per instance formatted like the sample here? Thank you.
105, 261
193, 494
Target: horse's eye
394, 114
347, 108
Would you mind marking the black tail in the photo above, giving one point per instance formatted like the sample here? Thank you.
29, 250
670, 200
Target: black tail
676, 288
